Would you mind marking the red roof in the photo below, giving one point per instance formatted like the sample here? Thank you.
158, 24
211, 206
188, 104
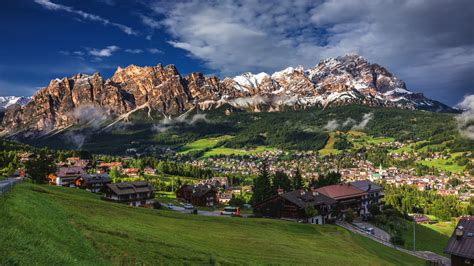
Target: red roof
340, 191
112, 164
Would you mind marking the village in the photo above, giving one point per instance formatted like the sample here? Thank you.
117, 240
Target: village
312, 165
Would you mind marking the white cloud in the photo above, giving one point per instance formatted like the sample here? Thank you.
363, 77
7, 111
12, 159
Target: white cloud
363, 123
84, 15
466, 118
106, 52
154, 51
134, 51
332, 125
150, 22
420, 41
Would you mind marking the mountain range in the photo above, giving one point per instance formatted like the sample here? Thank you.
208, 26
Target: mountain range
344, 80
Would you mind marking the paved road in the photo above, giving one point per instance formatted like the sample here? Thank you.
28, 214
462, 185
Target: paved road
377, 231
7, 184
201, 212
426, 255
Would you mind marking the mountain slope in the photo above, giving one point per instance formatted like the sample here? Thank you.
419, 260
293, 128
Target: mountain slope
53, 225
337, 81
7, 101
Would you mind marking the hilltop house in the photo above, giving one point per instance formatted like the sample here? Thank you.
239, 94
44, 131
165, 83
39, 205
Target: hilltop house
65, 176
461, 244
139, 193
199, 195
347, 197
93, 183
292, 205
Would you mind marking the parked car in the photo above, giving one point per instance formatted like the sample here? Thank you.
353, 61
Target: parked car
169, 206
232, 211
188, 206
370, 230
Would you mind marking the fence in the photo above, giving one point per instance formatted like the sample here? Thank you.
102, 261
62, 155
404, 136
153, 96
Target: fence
7, 184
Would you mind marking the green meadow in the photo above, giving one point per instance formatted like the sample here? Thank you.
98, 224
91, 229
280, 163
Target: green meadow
46, 225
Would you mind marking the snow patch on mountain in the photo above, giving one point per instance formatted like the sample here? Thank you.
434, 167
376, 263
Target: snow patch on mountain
6, 101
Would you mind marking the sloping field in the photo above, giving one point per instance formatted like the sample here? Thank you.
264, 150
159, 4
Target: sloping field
48, 225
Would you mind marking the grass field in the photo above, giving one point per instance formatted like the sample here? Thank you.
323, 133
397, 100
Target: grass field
45, 225
202, 144
444, 228
445, 164
428, 237
329, 147
232, 151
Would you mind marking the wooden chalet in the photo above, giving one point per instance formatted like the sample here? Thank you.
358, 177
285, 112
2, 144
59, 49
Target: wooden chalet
199, 195
374, 193
347, 197
65, 176
291, 205
93, 183
461, 244
139, 193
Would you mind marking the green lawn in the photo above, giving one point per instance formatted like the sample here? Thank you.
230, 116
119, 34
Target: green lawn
442, 164
444, 228
46, 225
204, 143
329, 147
428, 237
233, 151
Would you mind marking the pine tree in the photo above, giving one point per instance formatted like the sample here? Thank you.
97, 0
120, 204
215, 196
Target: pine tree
297, 180
262, 188
40, 167
281, 180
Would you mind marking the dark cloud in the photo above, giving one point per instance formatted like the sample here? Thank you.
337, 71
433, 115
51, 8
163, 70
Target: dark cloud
429, 44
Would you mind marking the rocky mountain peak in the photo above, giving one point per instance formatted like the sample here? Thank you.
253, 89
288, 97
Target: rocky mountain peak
343, 80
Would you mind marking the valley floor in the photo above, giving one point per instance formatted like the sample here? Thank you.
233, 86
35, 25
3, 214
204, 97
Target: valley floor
54, 225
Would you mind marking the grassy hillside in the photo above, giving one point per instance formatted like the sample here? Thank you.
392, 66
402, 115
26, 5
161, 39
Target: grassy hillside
51, 225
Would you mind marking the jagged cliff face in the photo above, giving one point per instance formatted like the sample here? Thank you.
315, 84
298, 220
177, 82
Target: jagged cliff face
336, 81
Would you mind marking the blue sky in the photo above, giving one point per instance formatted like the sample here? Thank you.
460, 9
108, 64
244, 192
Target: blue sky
428, 44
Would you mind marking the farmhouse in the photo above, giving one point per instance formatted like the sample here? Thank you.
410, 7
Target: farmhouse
93, 183
199, 195
374, 193
139, 193
65, 176
461, 243
292, 205
347, 197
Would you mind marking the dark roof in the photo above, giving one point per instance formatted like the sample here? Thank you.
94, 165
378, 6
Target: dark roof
364, 186
93, 179
71, 170
130, 188
462, 246
201, 190
303, 198
340, 191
